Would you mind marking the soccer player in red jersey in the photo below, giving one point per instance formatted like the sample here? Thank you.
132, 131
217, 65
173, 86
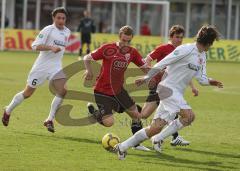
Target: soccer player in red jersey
109, 91
176, 34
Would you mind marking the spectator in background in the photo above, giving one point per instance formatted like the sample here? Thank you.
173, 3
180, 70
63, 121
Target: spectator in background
145, 30
101, 26
6, 23
86, 27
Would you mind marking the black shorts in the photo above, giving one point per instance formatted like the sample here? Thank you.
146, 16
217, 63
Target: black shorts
119, 103
153, 96
86, 38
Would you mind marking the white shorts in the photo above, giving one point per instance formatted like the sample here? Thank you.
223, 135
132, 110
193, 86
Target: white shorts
37, 78
169, 107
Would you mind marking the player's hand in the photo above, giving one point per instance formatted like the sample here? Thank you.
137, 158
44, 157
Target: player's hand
55, 49
140, 81
152, 83
195, 91
216, 83
88, 75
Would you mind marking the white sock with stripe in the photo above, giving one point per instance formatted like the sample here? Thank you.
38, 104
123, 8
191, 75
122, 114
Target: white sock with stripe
137, 138
173, 127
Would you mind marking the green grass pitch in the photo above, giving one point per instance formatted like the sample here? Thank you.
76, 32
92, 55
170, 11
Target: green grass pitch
26, 145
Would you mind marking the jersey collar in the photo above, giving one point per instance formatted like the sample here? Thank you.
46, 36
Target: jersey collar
58, 28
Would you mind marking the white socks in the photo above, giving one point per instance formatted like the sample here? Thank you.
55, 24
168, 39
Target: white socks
173, 127
17, 99
57, 101
137, 138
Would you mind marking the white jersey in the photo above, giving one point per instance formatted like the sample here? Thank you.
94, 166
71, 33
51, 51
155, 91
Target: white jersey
50, 36
184, 63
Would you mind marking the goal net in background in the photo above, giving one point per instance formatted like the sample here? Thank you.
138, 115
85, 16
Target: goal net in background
116, 13
109, 16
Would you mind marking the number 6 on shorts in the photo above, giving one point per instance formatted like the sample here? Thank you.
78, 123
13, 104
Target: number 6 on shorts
34, 82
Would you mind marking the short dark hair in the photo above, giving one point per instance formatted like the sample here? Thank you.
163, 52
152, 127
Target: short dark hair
126, 30
59, 10
176, 29
207, 35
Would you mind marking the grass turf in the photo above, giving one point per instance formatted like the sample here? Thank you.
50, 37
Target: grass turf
26, 145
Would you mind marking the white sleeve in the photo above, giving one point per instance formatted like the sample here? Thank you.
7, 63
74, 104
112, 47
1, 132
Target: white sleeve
178, 54
201, 75
69, 35
41, 37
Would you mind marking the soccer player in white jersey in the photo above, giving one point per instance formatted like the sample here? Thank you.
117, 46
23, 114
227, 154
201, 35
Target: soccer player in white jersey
184, 63
51, 42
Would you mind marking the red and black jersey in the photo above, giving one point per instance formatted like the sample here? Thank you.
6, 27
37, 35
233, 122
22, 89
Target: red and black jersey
115, 62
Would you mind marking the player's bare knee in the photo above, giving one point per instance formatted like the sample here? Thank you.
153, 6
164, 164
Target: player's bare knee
28, 91
62, 93
156, 126
108, 122
188, 119
191, 117
27, 94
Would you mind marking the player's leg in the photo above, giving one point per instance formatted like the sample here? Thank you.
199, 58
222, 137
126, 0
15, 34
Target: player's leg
81, 45
108, 120
161, 118
168, 109
175, 135
58, 87
103, 117
127, 104
150, 106
177, 139
187, 117
17, 100
151, 103
140, 136
103, 114
135, 113
148, 109
19, 97
88, 42
35, 79
88, 48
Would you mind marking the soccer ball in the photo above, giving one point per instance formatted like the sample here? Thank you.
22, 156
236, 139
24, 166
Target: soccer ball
109, 141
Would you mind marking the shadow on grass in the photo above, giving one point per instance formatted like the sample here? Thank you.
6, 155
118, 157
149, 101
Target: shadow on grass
168, 160
224, 155
76, 139
160, 159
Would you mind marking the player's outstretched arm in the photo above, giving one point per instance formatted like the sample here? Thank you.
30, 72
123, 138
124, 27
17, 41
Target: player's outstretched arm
140, 81
145, 79
88, 75
215, 83
148, 61
202, 78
